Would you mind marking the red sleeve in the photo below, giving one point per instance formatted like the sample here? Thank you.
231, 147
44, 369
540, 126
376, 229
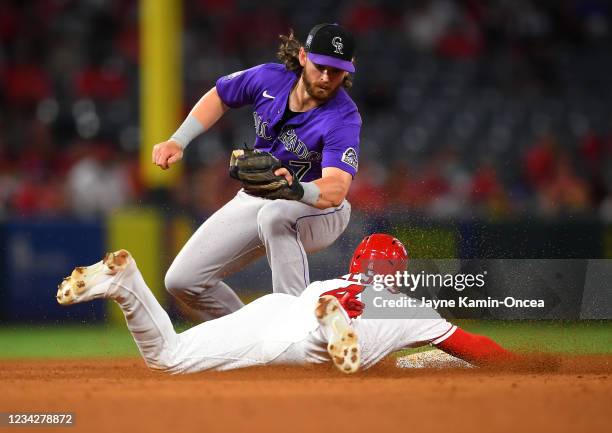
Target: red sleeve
476, 349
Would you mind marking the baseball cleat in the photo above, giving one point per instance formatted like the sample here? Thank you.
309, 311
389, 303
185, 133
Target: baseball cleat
91, 282
343, 343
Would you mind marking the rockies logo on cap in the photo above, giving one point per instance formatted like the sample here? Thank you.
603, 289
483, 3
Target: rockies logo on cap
331, 45
337, 42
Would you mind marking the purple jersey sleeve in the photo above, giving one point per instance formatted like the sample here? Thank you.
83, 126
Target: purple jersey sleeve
240, 88
341, 149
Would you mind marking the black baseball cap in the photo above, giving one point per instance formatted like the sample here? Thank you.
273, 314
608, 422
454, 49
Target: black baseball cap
331, 45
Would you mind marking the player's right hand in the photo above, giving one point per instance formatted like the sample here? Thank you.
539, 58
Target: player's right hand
166, 153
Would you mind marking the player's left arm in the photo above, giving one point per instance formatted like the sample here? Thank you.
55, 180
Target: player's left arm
332, 187
476, 349
339, 166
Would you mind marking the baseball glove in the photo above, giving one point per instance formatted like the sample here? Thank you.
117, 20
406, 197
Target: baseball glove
256, 172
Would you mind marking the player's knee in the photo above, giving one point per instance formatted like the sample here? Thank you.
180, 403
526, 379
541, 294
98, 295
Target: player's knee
181, 284
175, 282
273, 218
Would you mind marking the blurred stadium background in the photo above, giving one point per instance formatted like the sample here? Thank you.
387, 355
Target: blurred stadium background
487, 132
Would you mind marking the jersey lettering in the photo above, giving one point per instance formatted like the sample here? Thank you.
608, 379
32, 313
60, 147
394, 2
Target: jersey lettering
293, 144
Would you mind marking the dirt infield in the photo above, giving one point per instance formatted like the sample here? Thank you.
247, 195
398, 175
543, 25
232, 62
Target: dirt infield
122, 395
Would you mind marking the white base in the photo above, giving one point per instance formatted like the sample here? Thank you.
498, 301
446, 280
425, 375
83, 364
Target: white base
431, 359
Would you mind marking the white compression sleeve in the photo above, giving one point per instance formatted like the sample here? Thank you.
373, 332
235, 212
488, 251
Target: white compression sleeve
188, 130
311, 193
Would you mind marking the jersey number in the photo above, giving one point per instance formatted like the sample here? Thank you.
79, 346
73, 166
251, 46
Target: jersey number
300, 168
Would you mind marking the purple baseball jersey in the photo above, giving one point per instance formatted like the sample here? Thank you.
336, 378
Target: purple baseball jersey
325, 136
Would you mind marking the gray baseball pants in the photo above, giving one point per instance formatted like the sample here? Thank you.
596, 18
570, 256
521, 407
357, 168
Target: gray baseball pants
243, 230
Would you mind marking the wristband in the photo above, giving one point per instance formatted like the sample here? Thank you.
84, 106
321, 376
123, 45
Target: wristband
311, 193
188, 130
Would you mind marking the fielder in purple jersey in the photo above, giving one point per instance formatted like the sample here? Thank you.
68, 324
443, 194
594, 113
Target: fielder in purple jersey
303, 115
324, 136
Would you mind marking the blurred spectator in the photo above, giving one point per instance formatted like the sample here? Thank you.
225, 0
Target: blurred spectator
566, 192
592, 149
462, 40
365, 16
101, 82
98, 184
488, 192
427, 21
25, 84
540, 161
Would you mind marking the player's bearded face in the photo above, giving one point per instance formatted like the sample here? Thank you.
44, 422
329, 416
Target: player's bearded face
321, 82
